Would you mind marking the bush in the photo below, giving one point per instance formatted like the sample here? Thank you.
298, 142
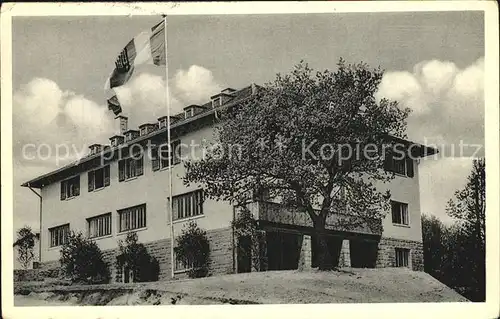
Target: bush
135, 256
25, 243
193, 250
81, 260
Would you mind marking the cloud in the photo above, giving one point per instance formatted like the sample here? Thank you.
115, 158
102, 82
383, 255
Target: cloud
447, 102
143, 97
44, 114
439, 179
195, 85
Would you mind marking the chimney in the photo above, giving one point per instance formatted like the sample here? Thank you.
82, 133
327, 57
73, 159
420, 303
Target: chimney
254, 88
123, 123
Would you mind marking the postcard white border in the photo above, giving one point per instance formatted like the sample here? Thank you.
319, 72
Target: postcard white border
489, 309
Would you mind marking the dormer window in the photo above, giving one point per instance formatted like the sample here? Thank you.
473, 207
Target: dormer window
95, 149
192, 110
188, 112
162, 122
116, 140
216, 102
131, 135
146, 128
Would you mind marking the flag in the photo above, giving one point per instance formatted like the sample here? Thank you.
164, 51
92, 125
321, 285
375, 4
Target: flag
148, 47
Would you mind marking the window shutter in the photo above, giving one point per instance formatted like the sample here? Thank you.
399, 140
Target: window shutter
91, 180
121, 170
139, 166
77, 186
106, 176
409, 167
63, 190
394, 211
155, 162
176, 152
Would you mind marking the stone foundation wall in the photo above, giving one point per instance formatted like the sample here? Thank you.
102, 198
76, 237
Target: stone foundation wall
387, 254
221, 257
221, 251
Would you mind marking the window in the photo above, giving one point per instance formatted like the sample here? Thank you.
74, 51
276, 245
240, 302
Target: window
132, 218
130, 167
161, 154
216, 102
179, 265
402, 257
163, 122
399, 213
188, 205
396, 164
99, 226
59, 235
98, 178
70, 187
188, 112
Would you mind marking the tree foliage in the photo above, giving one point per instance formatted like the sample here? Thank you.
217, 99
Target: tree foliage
82, 260
293, 138
455, 254
25, 244
134, 256
193, 250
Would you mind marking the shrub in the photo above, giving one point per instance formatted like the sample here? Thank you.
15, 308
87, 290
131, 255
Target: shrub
82, 261
136, 257
25, 243
193, 250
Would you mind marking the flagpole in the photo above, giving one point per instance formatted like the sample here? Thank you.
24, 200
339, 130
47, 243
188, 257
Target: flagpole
170, 204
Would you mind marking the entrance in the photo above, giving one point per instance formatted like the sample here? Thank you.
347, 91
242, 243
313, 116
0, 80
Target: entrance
283, 250
334, 245
244, 254
363, 253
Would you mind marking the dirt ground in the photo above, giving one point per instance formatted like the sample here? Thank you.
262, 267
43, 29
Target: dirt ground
273, 287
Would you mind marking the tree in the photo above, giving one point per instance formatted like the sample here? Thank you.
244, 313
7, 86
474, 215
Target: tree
82, 260
25, 243
193, 250
468, 208
300, 138
432, 234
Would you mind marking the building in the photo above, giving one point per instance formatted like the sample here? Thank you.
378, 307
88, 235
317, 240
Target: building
115, 190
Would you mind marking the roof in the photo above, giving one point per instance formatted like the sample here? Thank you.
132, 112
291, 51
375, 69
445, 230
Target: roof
238, 96
417, 150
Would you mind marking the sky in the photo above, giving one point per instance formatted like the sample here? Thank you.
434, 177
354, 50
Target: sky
433, 62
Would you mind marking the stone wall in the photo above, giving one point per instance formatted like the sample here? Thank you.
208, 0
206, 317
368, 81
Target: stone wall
387, 255
221, 251
220, 254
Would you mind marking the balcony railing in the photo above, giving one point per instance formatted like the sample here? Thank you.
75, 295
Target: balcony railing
278, 213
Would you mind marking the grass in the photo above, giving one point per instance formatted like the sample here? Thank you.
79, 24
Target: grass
272, 287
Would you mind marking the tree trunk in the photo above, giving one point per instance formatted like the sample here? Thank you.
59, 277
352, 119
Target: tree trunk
325, 259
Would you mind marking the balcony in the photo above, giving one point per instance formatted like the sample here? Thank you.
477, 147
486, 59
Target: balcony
278, 214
